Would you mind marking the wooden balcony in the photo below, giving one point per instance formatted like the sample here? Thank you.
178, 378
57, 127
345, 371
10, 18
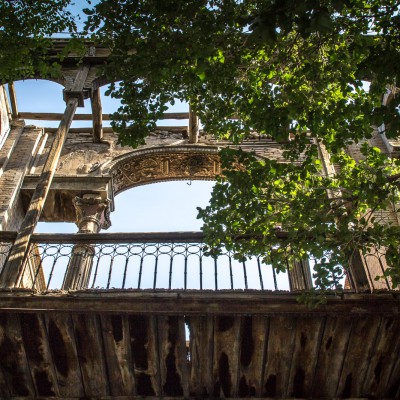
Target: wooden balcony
180, 342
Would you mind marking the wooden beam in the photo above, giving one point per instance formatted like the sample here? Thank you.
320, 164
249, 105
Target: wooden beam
13, 100
194, 127
164, 302
97, 112
13, 270
86, 117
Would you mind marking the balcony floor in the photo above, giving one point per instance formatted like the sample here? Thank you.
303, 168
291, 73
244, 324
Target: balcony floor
128, 344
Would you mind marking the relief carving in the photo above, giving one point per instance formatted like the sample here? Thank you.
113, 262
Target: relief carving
165, 166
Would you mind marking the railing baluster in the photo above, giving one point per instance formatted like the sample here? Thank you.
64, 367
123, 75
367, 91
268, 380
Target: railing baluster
140, 271
274, 276
50, 275
155, 272
170, 271
125, 271
201, 270
185, 274
245, 275
260, 274
216, 273
96, 269
230, 269
110, 272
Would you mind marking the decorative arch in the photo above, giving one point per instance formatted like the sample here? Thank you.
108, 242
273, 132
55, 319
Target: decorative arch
164, 164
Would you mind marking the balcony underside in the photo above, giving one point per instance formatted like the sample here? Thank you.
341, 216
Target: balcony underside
125, 344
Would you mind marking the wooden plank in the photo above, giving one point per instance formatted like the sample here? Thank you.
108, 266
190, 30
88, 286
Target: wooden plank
173, 361
201, 355
384, 356
193, 303
63, 347
144, 350
115, 330
13, 357
13, 100
13, 270
90, 351
253, 348
86, 117
97, 112
361, 343
38, 354
305, 356
282, 333
331, 355
227, 333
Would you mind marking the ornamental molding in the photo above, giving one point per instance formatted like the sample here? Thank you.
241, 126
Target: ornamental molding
164, 164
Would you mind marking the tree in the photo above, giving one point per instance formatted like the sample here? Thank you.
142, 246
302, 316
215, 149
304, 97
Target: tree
308, 74
25, 37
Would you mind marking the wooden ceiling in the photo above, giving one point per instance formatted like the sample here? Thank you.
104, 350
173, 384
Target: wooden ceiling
78, 351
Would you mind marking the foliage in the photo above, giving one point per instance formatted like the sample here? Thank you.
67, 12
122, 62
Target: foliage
295, 71
309, 74
283, 212
25, 37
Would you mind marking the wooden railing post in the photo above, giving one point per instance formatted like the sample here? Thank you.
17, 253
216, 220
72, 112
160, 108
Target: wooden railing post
13, 270
194, 127
300, 276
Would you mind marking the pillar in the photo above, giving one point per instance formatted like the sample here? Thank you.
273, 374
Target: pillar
92, 215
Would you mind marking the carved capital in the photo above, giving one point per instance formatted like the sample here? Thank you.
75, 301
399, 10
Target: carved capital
92, 213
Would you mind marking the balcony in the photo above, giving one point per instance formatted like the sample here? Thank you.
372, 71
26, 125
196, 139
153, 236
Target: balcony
152, 315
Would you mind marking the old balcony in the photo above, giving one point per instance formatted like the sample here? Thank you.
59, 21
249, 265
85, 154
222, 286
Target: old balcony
151, 315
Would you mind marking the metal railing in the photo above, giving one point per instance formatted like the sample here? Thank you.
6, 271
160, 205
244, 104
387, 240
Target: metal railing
158, 261
141, 261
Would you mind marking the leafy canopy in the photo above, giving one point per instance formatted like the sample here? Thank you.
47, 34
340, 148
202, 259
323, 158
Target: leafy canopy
309, 74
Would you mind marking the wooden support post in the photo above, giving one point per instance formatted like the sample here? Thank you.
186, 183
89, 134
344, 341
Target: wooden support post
13, 100
13, 270
194, 127
97, 116
300, 276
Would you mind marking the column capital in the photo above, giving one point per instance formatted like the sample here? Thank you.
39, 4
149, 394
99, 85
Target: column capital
92, 213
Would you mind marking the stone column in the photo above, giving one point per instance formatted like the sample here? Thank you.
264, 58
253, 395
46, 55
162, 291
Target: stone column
92, 215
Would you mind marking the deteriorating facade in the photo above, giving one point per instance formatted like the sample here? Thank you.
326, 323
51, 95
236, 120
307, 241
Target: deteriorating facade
89, 316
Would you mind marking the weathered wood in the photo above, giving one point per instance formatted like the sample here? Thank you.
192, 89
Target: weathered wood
61, 337
115, 330
38, 354
13, 100
13, 270
226, 355
13, 357
383, 358
331, 356
201, 356
358, 272
300, 276
305, 355
89, 345
253, 346
361, 343
151, 237
164, 302
194, 127
86, 117
144, 350
173, 368
97, 112
282, 333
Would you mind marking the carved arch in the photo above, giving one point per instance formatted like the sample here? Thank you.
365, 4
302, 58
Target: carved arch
164, 164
